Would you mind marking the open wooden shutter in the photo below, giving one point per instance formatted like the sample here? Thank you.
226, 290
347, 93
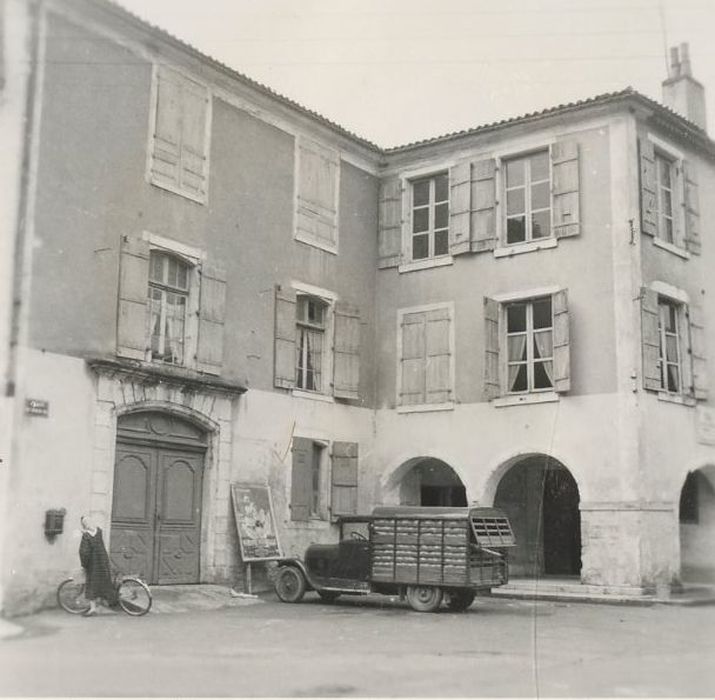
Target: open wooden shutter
562, 350
438, 356
460, 185
166, 146
301, 479
284, 353
565, 192
317, 191
346, 356
412, 362
483, 227
649, 215
194, 141
132, 319
697, 352
650, 339
691, 206
492, 383
389, 242
344, 478
212, 315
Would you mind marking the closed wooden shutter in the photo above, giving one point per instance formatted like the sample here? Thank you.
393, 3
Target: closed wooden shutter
317, 191
650, 340
132, 316
301, 479
691, 206
460, 209
565, 189
194, 142
492, 383
562, 350
697, 352
389, 242
438, 356
346, 356
412, 361
166, 153
649, 215
344, 478
212, 316
483, 227
285, 329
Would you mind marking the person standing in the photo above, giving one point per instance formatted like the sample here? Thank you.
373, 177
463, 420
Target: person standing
95, 562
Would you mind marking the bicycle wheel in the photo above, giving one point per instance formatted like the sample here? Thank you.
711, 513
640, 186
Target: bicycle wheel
70, 597
134, 596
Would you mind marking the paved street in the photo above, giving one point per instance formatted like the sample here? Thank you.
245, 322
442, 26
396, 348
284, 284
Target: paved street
368, 648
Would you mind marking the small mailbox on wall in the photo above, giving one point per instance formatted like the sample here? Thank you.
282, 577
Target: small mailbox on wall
54, 523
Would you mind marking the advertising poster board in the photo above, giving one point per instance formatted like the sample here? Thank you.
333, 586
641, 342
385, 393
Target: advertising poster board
255, 521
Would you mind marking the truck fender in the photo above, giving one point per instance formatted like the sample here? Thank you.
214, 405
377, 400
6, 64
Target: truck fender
299, 564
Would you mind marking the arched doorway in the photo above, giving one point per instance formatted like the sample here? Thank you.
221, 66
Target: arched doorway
697, 527
426, 481
541, 498
156, 501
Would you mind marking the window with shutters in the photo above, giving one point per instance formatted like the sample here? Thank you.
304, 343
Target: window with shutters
530, 346
425, 352
429, 229
669, 335
527, 185
178, 158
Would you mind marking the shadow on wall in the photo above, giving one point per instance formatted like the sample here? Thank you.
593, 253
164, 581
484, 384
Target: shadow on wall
697, 527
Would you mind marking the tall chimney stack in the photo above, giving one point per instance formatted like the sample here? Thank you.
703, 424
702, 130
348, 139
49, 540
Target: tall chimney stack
681, 92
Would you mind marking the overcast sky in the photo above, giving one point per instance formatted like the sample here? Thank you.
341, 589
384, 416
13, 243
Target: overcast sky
395, 71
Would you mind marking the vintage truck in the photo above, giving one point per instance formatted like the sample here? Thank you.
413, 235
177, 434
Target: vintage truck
424, 554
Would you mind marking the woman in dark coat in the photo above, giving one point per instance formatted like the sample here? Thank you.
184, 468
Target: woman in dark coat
95, 562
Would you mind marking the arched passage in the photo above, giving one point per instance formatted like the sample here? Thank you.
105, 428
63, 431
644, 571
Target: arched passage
541, 498
427, 481
697, 527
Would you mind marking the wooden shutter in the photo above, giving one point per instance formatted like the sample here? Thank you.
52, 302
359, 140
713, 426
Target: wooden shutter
412, 361
166, 146
346, 356
460, 185
438, 356
301, 479
483, 233
562, 350
194, 142
212, 313
649, 216
492, 383
691, 207
317, 191
132, 314
344, 478
389, 242
565, 188
650, 340
284, 353
697, 352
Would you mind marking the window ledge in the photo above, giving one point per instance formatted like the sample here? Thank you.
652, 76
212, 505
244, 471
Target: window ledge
676, 398
313, 396
526, 399
672, 248
530, 247
331, 248
426, 264
426, 408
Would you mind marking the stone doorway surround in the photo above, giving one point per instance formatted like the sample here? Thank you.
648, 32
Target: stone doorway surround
125, 386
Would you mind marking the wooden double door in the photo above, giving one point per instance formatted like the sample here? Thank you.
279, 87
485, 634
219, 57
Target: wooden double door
156, 511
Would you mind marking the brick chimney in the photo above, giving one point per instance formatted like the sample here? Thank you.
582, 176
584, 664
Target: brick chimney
681, 92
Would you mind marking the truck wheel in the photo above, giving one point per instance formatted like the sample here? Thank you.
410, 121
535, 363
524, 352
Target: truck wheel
459, 601
290, 584
424, 598
329, 596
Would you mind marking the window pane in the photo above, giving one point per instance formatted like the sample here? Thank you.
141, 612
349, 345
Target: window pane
543, 345
420, 220
514, 173
668, 230
664, 166
673, 378
518, 382
667, 203
182, 281
420, 192
515, 229
441, 243
441, 215
420, 246
156, 267
441, 187
542, 375
541, 224
540, 195
540, 166
516, 318
671, 348
515, 201
516, 345
542, 313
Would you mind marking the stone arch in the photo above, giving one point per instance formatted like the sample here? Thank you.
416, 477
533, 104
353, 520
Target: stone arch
696, 525
424, 480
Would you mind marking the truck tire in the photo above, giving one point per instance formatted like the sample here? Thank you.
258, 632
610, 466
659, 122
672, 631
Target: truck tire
290, 584
424, 598
460, 600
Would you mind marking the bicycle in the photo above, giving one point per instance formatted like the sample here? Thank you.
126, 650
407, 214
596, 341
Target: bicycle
133, 595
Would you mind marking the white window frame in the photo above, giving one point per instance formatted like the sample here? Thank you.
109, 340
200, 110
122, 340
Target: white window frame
431, 207
154, 102
427, 407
